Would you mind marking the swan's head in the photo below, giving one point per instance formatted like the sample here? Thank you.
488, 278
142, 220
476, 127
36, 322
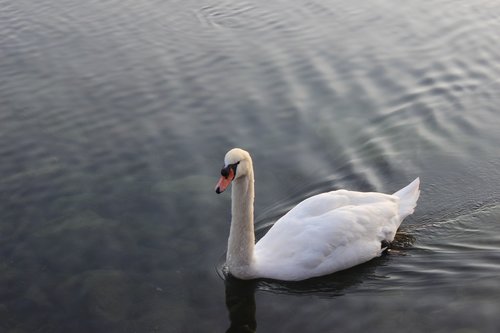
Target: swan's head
237, 164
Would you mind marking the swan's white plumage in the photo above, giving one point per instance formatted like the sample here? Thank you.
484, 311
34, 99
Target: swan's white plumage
325, 233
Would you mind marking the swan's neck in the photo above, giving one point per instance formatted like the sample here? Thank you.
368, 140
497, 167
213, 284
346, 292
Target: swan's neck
241, 236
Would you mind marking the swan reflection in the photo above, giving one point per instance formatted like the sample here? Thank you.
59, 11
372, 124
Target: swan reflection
240, 302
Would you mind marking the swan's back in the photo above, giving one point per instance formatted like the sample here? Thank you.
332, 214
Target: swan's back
332, 231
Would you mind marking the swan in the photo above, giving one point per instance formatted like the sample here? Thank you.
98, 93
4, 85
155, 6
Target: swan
323, 234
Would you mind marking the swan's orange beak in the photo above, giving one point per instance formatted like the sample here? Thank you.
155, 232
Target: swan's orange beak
224, 181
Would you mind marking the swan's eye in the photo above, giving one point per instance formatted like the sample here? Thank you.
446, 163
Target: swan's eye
226, 172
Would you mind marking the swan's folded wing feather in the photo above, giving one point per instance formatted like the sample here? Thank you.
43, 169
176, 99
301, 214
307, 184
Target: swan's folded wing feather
300, 246
325, 202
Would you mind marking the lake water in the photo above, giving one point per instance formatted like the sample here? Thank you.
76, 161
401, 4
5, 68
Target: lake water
115, 117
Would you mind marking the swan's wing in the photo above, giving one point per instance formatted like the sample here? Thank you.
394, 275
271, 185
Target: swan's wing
325, 202
314, 239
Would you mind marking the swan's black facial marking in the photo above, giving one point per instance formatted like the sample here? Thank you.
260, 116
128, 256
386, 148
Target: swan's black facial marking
225, 172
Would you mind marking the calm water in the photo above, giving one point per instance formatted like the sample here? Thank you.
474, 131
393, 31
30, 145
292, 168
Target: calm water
115, 117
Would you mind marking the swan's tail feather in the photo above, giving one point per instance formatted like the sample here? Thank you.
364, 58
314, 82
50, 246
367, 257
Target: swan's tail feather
408, 197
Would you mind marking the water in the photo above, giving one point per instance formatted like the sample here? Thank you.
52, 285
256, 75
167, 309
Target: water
115, 117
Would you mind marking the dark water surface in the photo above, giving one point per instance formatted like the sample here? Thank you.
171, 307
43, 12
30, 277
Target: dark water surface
115, 117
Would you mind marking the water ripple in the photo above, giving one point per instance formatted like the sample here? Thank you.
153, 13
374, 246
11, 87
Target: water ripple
114, 114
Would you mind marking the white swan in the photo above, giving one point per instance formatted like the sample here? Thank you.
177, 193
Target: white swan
323, 234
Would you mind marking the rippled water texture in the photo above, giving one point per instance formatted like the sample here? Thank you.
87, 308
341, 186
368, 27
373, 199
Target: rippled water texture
115, 117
